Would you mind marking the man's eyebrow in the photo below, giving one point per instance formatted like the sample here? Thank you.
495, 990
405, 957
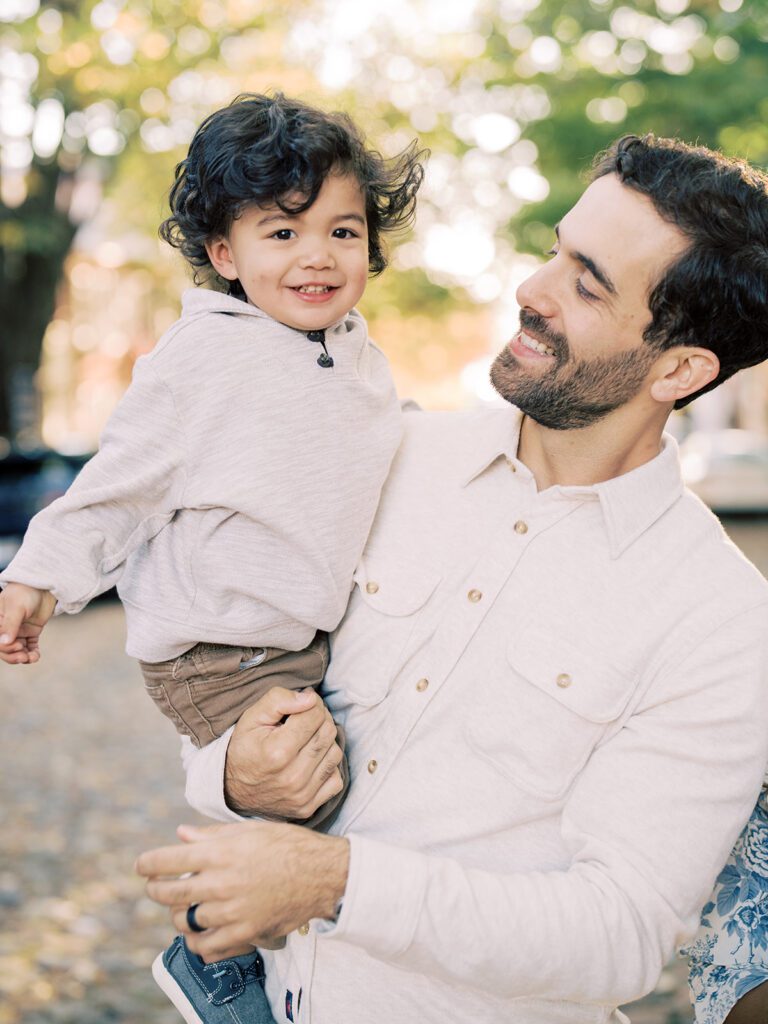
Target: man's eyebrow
589, 264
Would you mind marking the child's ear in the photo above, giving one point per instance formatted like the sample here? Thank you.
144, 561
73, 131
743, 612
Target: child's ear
220, 254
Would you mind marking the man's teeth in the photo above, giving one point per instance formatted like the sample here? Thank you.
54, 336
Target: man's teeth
536, 346
314, 289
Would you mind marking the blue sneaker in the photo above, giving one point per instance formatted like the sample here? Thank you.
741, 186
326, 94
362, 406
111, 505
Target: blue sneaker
227, 992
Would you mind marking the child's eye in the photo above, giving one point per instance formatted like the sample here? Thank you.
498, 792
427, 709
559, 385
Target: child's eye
345, 233
552, 252
283, 234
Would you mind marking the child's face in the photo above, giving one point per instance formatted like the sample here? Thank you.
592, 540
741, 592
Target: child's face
306, 270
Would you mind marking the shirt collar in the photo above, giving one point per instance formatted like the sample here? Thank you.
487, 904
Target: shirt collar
501, 436
630, 503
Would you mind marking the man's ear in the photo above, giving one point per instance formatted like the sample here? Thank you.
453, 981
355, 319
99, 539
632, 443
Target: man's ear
681, 371
220, 254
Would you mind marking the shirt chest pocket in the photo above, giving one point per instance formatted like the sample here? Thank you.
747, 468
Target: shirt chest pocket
386, 611
540, 716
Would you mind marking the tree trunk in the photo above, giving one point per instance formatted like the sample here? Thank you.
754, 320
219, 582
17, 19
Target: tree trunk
36, 239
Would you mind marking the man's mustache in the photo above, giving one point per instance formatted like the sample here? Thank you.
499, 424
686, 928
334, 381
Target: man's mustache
535, 324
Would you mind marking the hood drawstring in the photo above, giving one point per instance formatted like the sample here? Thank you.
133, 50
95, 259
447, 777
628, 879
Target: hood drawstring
323, 359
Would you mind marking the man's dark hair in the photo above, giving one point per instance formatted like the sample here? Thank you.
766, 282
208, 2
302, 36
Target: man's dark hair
716, 294
270, 150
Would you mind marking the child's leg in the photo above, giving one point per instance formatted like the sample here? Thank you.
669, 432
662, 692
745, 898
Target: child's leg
206, 690
218, 993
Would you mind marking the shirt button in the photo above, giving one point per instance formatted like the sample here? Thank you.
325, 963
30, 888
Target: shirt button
422, 685
521, 527
303, 929
563, 680
474, 596
371, 588
372, 766
511, 465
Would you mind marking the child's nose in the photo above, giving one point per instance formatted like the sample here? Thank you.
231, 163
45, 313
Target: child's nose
317, 257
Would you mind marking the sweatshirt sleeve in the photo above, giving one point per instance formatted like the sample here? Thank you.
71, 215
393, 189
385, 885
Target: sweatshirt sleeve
76, 547
648, 823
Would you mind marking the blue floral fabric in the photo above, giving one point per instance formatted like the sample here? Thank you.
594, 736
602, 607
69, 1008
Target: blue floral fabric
729, 955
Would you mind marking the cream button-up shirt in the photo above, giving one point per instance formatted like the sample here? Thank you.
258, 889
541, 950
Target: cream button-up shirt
556, 706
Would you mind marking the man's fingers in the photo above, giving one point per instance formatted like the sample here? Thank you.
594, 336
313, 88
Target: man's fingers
314, 730
173, 860
201, 833
332, 785
217, 943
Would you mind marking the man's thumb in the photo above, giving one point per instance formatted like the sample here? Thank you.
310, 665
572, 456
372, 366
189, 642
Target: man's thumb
278, 702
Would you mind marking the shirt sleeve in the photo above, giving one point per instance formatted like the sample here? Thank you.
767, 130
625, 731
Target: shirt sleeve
77, 546
204, 767
648, 824
729, 954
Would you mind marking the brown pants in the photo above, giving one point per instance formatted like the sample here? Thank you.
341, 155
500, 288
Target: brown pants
205, 690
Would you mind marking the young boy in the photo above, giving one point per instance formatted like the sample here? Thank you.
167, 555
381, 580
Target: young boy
237, 480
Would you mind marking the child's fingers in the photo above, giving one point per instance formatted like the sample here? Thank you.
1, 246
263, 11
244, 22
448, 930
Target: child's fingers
20, 657
16, 645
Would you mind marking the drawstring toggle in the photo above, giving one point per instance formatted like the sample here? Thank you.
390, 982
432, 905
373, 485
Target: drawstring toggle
323, 359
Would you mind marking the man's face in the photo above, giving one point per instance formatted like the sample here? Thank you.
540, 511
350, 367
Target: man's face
579, 353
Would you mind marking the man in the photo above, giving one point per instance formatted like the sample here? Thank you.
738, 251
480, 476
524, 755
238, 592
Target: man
553, 667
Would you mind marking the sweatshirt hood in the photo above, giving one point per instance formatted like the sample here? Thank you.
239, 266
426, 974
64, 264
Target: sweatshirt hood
195, 301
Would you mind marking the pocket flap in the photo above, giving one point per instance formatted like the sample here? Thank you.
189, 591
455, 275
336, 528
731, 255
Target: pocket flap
392, 587
578, 678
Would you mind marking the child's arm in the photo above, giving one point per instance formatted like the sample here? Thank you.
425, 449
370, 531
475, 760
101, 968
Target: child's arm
77, 546
23, 613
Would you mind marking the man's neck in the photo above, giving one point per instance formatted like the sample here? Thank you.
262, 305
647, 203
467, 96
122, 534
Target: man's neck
609, 448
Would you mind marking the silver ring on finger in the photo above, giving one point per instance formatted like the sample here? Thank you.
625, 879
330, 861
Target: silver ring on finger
192, 919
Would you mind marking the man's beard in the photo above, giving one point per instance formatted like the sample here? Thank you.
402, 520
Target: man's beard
573, 393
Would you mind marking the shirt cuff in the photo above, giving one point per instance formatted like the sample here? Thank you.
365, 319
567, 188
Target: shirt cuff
205, 777
382, 902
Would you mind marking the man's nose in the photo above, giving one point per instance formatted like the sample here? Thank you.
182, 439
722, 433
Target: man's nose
537, 292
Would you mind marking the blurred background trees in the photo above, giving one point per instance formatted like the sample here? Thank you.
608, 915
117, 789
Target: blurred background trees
98, 102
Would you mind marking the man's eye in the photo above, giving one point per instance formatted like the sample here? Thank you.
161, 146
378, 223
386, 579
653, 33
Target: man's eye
345, 233
283, 234
584, 292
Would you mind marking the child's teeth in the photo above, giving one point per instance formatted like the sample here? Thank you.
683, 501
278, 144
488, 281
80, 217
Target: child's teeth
314, 289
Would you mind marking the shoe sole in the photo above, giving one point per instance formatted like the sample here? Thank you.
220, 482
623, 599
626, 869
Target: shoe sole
175, 993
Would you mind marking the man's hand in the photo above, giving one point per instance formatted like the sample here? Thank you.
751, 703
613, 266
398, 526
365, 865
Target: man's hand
23, 613
283, 767
251, 881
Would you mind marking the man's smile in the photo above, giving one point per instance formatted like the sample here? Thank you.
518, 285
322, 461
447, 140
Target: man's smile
524, 345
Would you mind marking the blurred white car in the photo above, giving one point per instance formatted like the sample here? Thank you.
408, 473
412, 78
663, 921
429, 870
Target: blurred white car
728, 469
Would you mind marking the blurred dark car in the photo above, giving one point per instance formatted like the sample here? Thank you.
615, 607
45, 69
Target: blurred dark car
29, 481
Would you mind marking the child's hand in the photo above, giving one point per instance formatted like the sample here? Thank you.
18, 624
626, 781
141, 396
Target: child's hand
23, 613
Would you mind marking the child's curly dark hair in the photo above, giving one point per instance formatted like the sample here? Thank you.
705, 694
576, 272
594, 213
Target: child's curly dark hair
275, 151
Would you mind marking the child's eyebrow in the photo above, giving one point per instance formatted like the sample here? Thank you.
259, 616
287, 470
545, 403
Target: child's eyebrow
270, 218
352, 216
273, 217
